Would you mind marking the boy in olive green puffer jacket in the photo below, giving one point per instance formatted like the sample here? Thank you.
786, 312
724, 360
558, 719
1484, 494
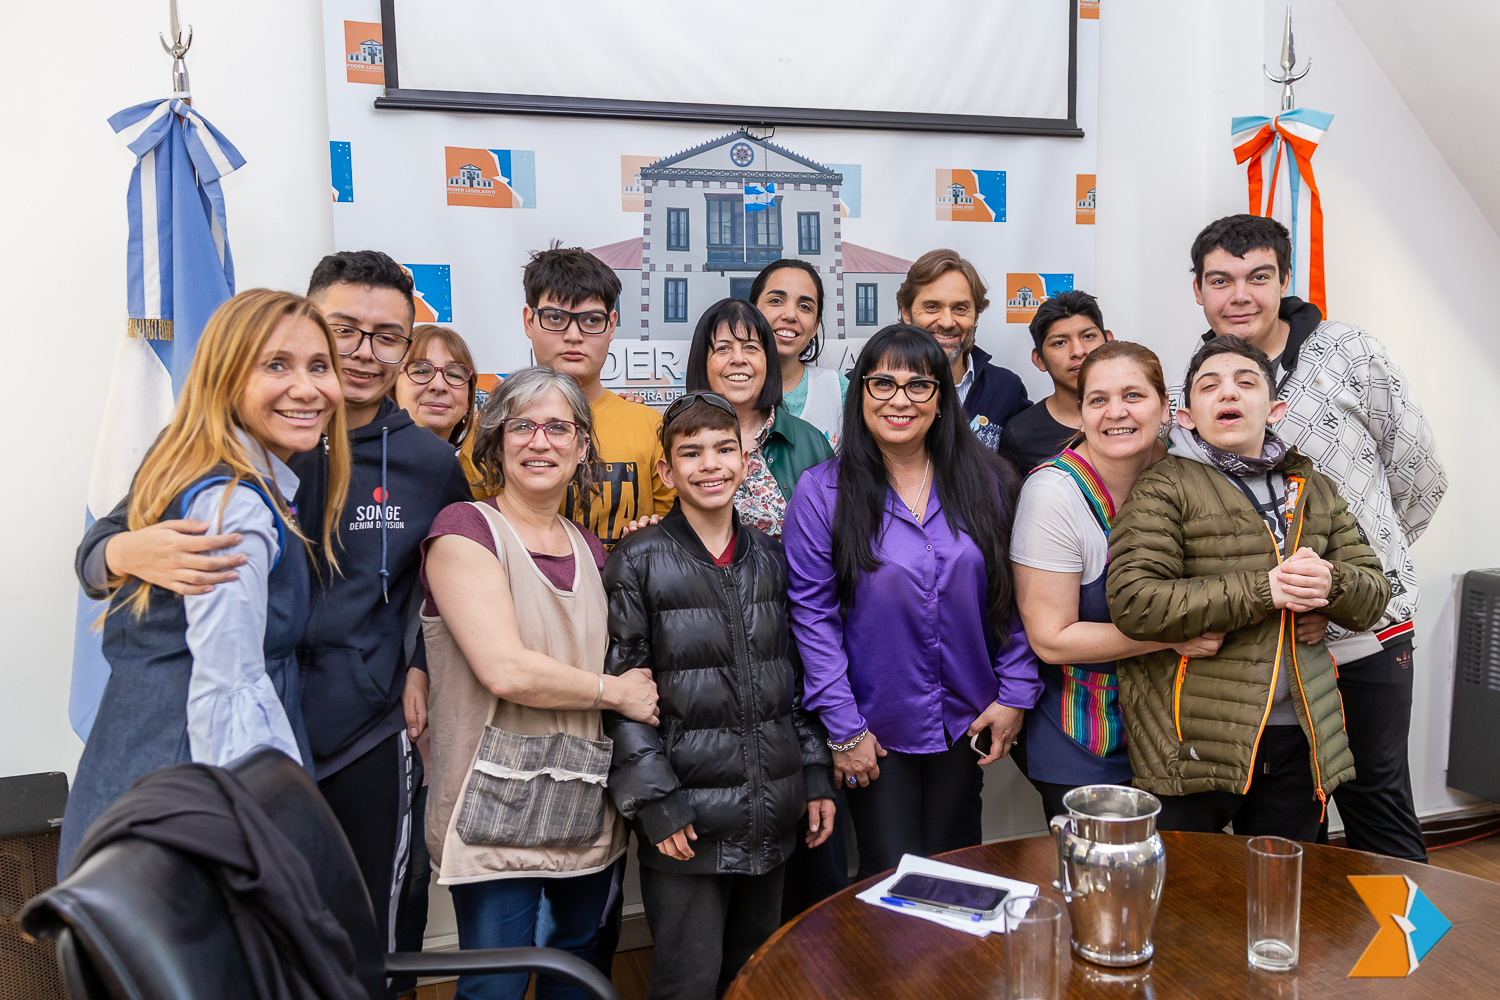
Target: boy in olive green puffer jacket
1236, 533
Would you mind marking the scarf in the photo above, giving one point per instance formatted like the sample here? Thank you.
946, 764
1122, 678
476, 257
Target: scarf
1271, 454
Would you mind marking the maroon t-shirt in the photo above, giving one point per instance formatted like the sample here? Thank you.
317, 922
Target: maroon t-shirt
727, 556
463, 519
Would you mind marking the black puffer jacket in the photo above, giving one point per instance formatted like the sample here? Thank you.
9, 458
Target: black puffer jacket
735, 754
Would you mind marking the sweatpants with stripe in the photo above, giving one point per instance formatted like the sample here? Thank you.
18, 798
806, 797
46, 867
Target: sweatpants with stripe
371, 798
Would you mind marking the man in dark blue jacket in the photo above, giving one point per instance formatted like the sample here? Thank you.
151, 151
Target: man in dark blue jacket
353, 651
944, 295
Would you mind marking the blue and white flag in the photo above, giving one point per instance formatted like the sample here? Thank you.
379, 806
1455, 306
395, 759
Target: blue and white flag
178, 271
759, 197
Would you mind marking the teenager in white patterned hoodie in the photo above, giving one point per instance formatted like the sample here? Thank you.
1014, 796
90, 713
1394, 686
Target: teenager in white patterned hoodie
1351, 411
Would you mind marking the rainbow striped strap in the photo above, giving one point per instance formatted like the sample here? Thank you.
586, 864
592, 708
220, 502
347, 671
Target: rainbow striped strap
1088, 481
1091, 710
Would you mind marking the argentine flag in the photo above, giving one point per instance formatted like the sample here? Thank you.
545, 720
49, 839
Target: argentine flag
758, 197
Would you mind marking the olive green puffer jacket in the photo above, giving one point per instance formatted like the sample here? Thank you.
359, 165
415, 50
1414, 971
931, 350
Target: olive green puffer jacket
1189, 555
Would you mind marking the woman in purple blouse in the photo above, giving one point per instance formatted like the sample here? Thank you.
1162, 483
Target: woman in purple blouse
902, 605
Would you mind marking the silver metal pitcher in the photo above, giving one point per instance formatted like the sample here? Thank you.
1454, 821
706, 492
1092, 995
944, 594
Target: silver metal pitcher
1110, 868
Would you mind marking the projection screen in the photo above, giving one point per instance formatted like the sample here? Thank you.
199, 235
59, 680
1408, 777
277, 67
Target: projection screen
981, 66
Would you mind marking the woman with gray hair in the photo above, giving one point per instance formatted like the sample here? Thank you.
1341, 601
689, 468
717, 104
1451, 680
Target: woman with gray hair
516, 630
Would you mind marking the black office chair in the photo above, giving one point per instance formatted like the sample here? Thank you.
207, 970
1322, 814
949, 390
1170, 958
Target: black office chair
139, 920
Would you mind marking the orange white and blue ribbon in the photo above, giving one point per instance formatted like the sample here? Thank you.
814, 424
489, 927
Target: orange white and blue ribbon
1263, 143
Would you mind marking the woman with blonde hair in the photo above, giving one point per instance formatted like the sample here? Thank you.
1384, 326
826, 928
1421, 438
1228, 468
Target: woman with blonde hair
209, 677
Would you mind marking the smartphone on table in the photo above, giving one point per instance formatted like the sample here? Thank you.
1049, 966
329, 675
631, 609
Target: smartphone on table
949, 895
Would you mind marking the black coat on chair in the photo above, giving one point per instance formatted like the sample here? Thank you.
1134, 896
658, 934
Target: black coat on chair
139, 920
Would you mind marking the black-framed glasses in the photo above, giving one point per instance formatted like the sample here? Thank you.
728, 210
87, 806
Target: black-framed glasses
918, 390
388, 348
560, 432
681, 403
555, 320
422, 372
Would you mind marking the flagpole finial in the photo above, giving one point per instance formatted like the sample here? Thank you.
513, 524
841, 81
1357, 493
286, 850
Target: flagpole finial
177, 50
1287, 77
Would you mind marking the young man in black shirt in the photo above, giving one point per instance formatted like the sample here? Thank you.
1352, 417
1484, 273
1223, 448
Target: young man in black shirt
1065, 329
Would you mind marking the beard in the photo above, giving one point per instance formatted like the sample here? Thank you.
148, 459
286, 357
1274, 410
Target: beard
960, 351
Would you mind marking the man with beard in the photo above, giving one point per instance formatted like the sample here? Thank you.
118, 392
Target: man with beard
944, 295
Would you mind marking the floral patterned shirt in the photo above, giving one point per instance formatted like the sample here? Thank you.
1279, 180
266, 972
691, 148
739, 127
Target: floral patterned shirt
759, 499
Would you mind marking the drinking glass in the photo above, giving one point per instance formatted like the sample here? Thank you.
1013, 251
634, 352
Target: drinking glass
1033, 948
1273, 883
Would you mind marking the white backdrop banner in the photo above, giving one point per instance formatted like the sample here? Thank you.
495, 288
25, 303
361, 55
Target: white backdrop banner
462, 199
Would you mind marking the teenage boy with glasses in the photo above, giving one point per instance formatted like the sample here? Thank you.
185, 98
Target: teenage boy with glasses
570, 322
353, 650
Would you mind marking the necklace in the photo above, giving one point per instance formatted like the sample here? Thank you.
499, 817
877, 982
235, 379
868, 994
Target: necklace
920, 490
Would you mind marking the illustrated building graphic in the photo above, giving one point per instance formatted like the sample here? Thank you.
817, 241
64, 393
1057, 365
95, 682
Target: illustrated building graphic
701, 241
370, 52
470, 176
1087, 201
1024, 300
956, 196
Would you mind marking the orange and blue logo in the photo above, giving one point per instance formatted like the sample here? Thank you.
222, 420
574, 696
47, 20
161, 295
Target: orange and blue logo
1084, 206
1025, 292
632, 191
432, 292
971, 196
491, 178
341, 165
1409, 925
849, 190
364, 53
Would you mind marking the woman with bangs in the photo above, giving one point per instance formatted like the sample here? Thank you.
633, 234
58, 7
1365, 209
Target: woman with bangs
913, 654
209, 677
1059, 554
438, 384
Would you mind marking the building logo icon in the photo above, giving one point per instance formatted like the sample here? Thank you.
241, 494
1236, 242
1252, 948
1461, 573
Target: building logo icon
970, 196
341, 164
491, 178
433, 292
1084, 206
632, 191
1024, 292
849, 193
742, 154
364, 53
1409, 926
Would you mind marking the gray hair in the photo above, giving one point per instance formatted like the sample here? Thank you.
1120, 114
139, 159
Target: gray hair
513, 396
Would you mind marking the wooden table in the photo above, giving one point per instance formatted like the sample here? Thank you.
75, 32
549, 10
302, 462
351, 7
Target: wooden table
843, 949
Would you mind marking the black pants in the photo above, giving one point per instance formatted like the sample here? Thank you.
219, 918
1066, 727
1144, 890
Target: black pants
411, 922
371, 798
1282, 801
1376, 807
815, 873
705, 927
922, 803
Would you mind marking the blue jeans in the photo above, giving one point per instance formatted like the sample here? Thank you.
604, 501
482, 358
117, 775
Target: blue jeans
502, 913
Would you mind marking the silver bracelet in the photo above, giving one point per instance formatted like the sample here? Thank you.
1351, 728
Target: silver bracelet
846, 747
600, 696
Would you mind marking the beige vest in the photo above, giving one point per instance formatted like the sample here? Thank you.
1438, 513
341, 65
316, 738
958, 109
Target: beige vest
570, 627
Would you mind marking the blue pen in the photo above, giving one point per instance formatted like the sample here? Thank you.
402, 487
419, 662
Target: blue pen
892, 900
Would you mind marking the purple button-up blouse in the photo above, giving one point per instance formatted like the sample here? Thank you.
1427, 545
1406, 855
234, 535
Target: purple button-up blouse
910, 663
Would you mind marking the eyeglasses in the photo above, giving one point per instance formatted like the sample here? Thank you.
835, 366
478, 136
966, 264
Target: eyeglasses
422, 372
559, 432
683, 402
918, 390
388, 348
554, 320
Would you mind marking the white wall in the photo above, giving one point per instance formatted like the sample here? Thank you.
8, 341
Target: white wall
257, 74
1410, 256
1404, 242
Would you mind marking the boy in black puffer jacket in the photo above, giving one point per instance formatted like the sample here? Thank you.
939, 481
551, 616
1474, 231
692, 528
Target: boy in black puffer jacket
715, 792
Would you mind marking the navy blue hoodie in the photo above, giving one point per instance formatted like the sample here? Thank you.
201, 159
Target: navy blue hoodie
353, 654
996, 395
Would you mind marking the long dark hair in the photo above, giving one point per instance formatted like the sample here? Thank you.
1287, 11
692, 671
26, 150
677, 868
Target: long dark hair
758, 288
978, 488
745, 323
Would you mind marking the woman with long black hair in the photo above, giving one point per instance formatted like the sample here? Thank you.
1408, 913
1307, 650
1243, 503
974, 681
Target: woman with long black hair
789, 294
902, 604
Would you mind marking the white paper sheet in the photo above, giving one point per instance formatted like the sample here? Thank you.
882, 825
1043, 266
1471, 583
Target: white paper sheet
924, 866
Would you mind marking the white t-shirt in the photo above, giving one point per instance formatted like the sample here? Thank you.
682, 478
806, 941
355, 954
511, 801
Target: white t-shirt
1055, 528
